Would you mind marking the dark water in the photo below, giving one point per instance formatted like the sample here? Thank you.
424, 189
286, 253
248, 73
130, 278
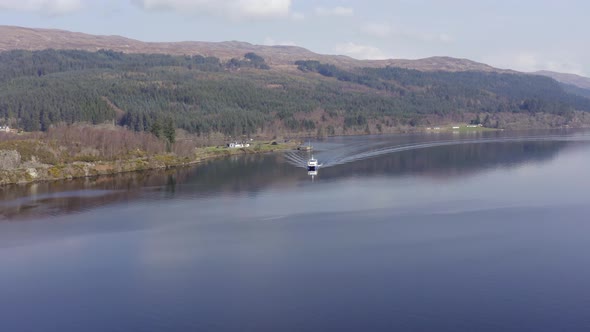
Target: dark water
399, 233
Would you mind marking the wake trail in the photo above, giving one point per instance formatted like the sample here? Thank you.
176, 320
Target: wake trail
348, 154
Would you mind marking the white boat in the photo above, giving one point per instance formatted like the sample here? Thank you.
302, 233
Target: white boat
312, 164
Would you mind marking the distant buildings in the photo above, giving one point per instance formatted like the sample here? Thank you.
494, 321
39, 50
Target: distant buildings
5, 129
236, 145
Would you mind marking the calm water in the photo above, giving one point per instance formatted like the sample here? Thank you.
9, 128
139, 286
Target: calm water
398, 233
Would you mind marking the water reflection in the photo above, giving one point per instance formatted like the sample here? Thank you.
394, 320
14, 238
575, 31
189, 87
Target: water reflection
449, 238
77, 195
451, 161
252, 174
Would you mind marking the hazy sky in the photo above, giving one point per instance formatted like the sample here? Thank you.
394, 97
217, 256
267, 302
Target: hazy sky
518, 34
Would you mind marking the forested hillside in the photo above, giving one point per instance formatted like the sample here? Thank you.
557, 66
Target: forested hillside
245, 96
575, 90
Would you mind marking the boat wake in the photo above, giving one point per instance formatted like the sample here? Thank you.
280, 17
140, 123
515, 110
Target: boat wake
343, 154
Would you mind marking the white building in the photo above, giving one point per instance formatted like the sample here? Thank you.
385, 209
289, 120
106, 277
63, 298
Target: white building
5, 129
236, 145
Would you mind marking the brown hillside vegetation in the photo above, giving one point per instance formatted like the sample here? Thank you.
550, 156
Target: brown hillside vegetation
573, 79
12, 38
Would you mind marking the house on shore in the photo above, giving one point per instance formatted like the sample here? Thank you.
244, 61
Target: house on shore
236, 145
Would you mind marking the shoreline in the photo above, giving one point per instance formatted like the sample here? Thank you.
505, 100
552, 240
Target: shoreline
80, 169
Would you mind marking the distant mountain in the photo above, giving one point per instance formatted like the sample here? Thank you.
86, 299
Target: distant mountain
246, 96
234, 88
570, 79
20, 38
439, 63
576, 90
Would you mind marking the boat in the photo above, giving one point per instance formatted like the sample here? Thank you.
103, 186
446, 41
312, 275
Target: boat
312, 164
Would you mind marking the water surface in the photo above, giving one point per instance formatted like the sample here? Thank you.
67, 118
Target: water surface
413, 233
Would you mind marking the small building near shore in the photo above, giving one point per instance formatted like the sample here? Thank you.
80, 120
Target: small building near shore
236, 145
5, 129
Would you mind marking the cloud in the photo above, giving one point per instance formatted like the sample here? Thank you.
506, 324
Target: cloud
377, 29
384, 30
445, 38
235, 9
50, 7
297, 16
271, 42
335, 11
528, 61
360, 51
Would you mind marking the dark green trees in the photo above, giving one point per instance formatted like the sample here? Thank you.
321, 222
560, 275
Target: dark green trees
203, 95
169, 130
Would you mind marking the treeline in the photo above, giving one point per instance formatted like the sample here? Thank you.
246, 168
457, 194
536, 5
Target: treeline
150, 92
39, 63
44, 88
572, 89
492, 92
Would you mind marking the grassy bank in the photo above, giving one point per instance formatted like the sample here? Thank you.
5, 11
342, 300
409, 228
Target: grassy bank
30, 158
76, 151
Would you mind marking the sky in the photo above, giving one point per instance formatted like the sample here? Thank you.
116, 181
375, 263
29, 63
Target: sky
525, 35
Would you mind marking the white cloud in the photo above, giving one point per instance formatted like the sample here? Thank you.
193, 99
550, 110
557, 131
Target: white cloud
360, 51
271, 42
232, 8
335, 11
528, 61
50, 7
297, 16
432, 37
445, 38
384, 30
377, 29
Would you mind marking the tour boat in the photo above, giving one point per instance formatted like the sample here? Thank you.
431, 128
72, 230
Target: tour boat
312, 164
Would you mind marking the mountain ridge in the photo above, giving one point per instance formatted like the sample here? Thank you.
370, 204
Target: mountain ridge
278, 56
34, 39
245, 96
566, 78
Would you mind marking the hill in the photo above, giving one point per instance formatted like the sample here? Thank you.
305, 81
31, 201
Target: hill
246, 96
20, 38
570, 79
571, 83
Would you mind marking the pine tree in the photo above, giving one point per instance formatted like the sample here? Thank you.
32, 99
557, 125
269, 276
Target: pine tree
156, 129
170, 130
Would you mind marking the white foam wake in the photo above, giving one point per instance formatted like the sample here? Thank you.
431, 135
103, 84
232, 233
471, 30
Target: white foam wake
360, 151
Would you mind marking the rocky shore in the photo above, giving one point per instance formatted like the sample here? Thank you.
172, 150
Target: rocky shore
14, 170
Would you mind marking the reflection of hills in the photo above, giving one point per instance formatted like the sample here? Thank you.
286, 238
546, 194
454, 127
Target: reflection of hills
58, 197
251, 174
246, 173
236, 174
452, 160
